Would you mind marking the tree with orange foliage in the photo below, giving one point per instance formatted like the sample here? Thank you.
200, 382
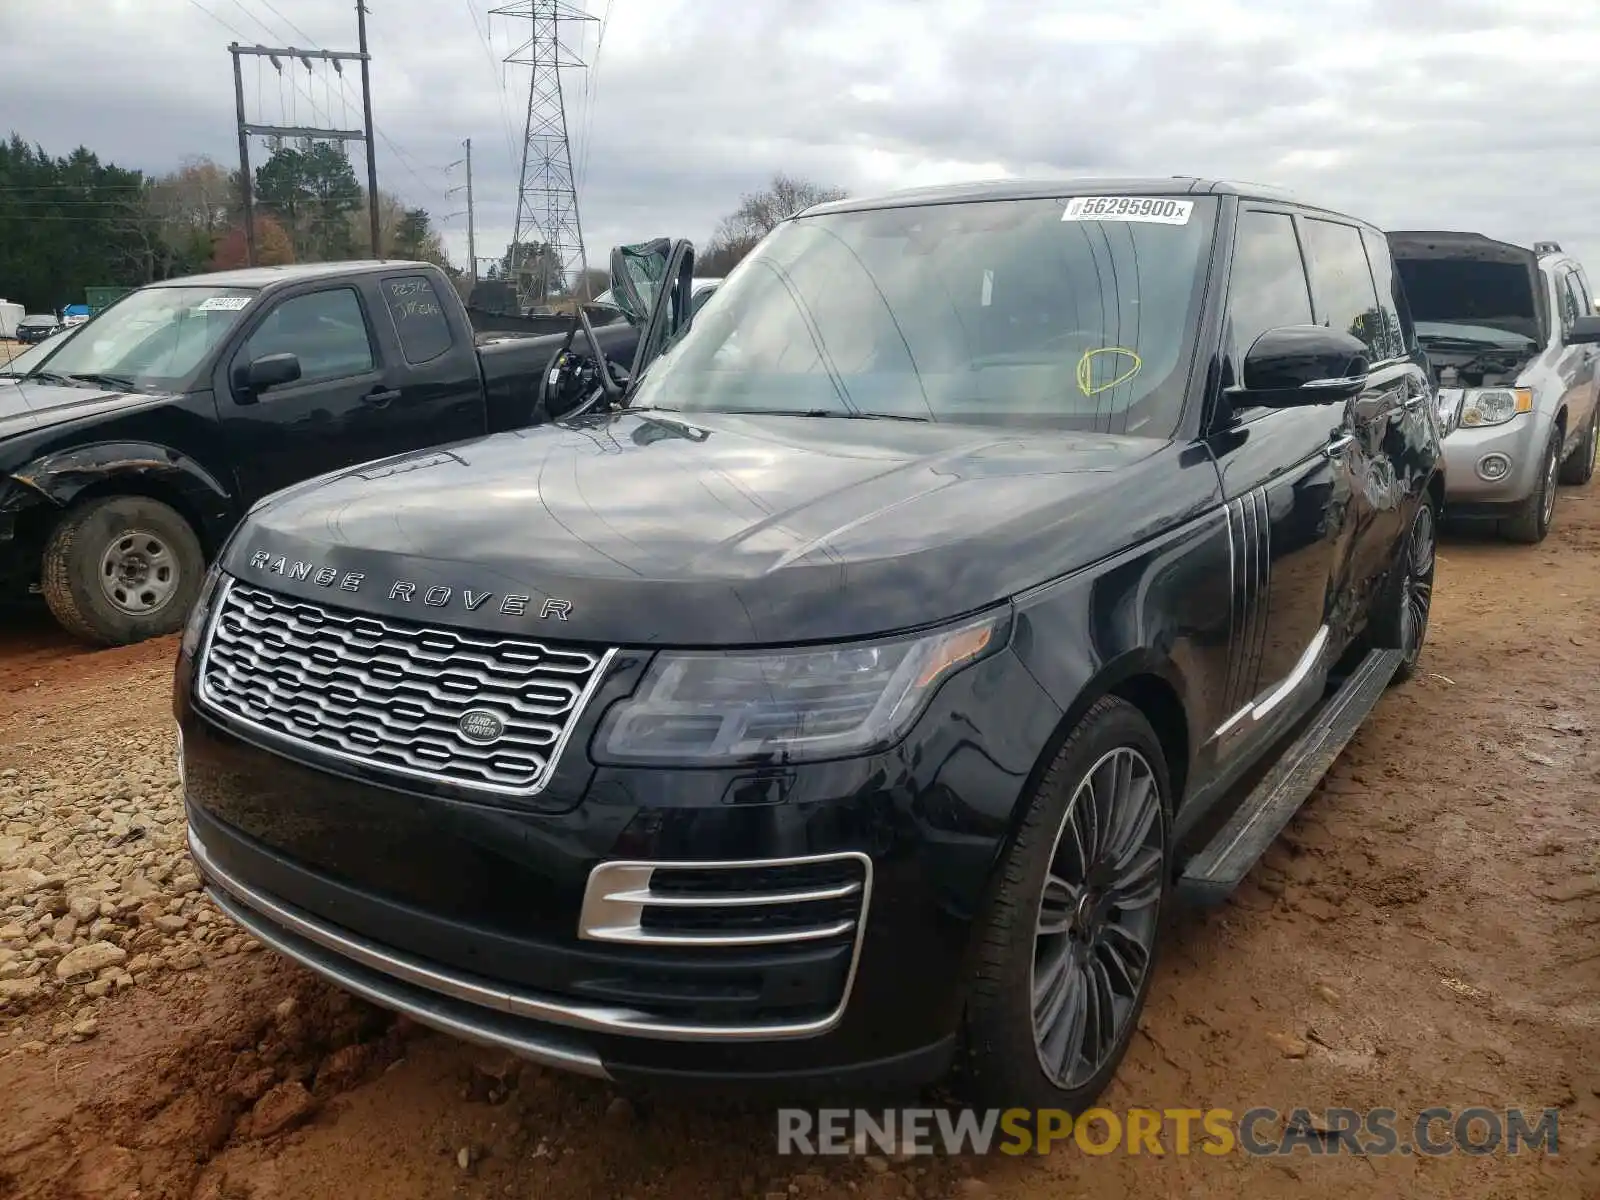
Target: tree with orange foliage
273, 247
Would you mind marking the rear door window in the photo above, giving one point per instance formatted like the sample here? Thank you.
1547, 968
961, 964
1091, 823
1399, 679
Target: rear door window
1342, 291
1394, 335
418, 316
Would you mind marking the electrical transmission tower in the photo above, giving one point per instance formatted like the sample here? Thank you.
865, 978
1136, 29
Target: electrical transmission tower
547, 242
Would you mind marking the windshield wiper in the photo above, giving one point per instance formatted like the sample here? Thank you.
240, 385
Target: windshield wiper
125, 382
841, 414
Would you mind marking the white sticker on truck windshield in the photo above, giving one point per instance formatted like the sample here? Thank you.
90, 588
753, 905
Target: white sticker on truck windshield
1155, 209
222, 303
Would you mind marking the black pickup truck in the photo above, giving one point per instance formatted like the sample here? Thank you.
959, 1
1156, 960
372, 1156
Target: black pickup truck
843, 697
130, 450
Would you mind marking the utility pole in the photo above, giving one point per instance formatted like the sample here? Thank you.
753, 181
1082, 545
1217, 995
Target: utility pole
246, 190
366, 104
277, 56
472, 227
547, 199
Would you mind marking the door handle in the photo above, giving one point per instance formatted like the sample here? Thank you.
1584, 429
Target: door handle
378, 397
1339, 445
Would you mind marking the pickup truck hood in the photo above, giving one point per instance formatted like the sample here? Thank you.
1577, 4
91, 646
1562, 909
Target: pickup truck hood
29, 405
715, 530
1469, 279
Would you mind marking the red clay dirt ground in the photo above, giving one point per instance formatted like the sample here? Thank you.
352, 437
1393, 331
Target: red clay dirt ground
1424, 933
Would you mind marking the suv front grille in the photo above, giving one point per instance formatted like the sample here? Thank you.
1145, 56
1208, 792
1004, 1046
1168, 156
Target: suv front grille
391, 695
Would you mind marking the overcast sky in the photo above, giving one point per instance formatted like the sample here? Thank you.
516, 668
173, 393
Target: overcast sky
1453, 114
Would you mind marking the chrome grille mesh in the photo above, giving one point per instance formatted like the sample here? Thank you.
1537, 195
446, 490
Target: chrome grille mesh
390, 695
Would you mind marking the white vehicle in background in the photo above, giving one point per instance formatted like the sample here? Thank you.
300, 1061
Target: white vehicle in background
1513, 333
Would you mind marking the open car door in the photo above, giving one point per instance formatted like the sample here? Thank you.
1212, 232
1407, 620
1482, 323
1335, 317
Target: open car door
653, 284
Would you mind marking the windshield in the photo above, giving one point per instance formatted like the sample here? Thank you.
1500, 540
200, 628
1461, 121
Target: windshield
999, 312
152, 339
37, 322
30, 358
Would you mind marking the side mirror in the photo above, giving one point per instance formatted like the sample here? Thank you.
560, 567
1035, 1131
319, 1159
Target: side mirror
1585, 331
268, 371
1301, 365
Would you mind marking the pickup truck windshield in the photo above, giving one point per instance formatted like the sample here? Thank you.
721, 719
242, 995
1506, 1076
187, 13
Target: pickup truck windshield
999, 312
153, 339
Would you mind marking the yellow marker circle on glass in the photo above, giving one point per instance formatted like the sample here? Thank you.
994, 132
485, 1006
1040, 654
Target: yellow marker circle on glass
1086, 383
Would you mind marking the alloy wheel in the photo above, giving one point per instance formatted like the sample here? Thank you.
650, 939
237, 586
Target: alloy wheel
1417, 600
1552, 469
1094, 936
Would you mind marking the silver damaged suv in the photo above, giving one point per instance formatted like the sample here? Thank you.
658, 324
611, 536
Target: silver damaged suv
1514, 334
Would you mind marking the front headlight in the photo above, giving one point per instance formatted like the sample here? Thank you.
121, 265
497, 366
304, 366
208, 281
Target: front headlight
1494, 406
194, 626
710, 708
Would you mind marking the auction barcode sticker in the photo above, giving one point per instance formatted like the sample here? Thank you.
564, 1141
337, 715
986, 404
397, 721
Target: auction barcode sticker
222, 303
1157, 209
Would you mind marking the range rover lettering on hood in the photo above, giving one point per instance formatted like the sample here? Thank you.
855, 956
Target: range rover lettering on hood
438, 596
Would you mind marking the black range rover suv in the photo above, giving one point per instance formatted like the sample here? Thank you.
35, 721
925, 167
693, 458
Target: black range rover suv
845, 693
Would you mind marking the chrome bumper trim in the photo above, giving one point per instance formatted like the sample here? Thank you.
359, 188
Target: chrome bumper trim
396, 974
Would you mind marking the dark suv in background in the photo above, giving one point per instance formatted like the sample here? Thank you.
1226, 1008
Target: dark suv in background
843, 693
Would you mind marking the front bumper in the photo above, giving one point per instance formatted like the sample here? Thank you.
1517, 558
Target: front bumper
466, 915
1521, 441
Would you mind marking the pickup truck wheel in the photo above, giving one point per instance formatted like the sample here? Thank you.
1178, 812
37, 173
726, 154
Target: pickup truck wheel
1069, 948
1579, 467
121, 569
1532, 524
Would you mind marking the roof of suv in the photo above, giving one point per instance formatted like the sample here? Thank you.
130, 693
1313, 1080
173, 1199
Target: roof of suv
1042, 189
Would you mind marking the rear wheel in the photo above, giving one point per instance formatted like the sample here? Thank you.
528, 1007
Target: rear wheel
1579, 466
1414, 601
121, 569
1532, 523
1070, 945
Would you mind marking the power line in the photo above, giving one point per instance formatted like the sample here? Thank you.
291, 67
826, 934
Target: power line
309, 39
592, 95
500, 84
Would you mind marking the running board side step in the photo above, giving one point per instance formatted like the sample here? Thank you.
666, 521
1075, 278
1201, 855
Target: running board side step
1216, 870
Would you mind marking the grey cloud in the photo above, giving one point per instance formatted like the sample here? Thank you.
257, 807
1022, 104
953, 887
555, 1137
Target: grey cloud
1442, 113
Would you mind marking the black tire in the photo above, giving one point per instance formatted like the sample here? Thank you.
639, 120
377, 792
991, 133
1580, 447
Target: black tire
1003, 1059
1532, 523
1408, 598
1578, 468
126, 527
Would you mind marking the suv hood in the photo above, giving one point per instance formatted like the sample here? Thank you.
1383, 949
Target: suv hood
1468, 279
732, 530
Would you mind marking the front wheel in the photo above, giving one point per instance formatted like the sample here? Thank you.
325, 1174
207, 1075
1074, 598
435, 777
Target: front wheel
121, 569
1578, 469
1070, 944
1532, 523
